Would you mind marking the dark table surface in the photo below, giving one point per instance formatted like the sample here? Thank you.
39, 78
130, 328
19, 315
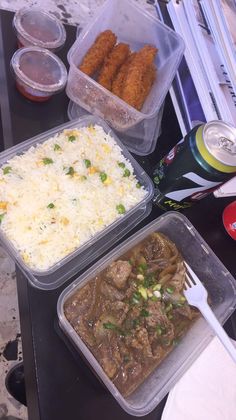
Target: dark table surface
59, 386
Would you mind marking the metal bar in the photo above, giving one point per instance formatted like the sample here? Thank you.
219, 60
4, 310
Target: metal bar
4, 96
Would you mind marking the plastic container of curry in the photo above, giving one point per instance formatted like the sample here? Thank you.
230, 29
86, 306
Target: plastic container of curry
57, 162
221, 288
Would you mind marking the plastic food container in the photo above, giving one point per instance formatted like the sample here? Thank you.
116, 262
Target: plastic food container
140, 139
36, 27
39, 73
100, 242
221, 288
132, 25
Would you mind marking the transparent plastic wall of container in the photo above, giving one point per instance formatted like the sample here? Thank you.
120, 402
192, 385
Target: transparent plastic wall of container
221, 287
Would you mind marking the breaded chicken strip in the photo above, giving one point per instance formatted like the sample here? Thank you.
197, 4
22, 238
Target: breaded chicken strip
96, 54
133, 83
147, 82
112, 64
117, 84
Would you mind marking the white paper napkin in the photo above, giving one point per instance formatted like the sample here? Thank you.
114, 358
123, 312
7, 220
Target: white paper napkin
226, 190
207, 391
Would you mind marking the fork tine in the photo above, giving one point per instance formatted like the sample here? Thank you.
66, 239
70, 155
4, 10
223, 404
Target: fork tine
191, 272
188, 281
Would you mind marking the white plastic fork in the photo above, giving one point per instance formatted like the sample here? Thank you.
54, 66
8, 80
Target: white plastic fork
196, 295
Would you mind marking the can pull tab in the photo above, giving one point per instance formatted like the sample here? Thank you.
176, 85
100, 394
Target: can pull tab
228, 145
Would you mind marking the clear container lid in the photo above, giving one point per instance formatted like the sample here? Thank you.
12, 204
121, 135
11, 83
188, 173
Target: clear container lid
39, 28
39, 69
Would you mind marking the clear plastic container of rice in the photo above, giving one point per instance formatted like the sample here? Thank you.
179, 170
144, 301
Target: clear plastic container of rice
66, 196
128, 317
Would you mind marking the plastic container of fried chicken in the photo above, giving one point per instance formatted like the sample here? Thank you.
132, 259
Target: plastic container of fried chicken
131, 25
140, 139
184, 350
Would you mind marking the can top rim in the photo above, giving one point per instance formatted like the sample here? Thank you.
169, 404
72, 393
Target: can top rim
220, 140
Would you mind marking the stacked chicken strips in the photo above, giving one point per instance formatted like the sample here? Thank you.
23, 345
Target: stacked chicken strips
129, 75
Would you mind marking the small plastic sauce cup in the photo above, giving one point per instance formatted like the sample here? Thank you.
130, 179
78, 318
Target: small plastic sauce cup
39, 73
39, 28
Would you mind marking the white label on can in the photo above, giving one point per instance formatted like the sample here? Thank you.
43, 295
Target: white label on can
203, 184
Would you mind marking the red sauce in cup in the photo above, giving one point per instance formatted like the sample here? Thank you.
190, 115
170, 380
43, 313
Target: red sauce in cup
37, 27
30, 96
38, 72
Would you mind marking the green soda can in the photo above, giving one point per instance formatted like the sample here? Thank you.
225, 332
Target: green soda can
196, 166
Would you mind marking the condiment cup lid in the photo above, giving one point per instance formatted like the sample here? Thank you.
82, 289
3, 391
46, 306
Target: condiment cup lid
39, 28
40, 69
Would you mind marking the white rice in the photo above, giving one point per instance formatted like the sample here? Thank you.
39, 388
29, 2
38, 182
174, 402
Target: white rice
80, 204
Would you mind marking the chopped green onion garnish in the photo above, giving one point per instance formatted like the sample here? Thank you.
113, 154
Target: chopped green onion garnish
50, 206
126, 172
169, 307
148, 280
57, 147
121, 164
71, 138
154, 298
1, 217
120, 208
136, 297
70, 171
126, 358
138, 185
109, 326
6, 170
146, 283
159, 330
142, 267
157, 287
170, 316
143, 292
170, 290
144, 313
179, 304
83, 177
182, 299
47, 161
87, 163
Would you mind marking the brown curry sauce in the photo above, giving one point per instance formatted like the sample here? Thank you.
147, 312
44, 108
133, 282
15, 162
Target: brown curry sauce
134, 312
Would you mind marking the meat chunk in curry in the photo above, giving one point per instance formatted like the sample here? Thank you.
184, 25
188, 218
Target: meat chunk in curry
134, 312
